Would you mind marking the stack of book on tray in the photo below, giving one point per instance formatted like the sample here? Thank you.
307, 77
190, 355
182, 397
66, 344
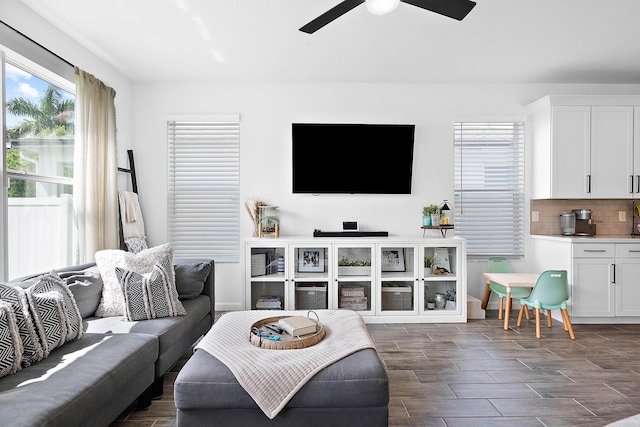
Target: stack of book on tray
267, 302
352, 297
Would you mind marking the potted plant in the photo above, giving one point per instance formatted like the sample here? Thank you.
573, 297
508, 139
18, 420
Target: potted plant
451, 299
428, 265
431, 304
347, 267
427, 215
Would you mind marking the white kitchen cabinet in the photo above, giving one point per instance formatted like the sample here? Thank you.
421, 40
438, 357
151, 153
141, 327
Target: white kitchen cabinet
627, 279
593, 291
612, 148
586, 147
384, 279
603, 275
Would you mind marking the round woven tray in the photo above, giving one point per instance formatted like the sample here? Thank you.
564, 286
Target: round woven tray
286, 341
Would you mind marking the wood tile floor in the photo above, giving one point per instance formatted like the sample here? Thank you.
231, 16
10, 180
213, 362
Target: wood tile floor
477, 374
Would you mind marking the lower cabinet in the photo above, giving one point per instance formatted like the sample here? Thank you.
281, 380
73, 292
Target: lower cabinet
604, 277
386, 280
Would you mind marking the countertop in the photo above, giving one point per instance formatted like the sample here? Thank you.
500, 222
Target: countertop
608, 238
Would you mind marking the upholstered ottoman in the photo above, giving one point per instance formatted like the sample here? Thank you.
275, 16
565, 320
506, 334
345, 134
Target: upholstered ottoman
353, 391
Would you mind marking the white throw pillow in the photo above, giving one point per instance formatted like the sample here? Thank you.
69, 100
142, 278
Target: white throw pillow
112, 300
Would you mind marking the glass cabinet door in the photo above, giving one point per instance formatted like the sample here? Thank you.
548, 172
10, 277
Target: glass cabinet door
398, 279
440, 282
311, 269
266, 267
355, 267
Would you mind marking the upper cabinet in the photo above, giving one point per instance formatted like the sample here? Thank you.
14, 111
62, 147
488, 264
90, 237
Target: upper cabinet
586, 147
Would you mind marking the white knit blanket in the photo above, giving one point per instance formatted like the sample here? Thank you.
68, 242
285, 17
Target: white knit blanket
272, 377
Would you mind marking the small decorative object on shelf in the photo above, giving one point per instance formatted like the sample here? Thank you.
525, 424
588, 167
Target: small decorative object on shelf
427, 215
440, 301
446, 212
253, 208
269, 221
635, 231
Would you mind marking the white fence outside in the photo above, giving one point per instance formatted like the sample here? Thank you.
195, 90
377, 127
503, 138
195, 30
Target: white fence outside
41, 234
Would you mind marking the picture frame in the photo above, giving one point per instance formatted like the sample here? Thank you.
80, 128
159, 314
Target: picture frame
311, 260
392, 259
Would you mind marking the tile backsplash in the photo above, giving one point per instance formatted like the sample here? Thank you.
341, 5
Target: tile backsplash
605, 214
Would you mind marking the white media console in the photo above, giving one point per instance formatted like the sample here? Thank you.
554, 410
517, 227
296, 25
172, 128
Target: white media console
384, 278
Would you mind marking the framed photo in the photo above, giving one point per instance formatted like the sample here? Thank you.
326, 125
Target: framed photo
393, 259
311, 260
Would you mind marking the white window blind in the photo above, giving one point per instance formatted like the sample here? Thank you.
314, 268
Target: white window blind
204, 189
489, 188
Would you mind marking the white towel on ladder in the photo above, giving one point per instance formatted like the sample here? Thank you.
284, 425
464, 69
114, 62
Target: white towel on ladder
131, 215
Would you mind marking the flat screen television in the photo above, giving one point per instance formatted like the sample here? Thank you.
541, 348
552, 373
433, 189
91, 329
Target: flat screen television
352, 158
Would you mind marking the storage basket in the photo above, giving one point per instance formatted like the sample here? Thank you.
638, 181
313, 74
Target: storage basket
311, 297
397, 298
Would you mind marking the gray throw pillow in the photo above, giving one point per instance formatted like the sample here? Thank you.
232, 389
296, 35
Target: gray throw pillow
150, 296
16, 296
10, 343
190, 279
86, 287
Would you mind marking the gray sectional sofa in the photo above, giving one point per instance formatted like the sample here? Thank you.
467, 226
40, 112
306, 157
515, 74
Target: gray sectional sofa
92, 380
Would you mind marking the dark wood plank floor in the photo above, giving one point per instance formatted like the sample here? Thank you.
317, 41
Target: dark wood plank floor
477, 374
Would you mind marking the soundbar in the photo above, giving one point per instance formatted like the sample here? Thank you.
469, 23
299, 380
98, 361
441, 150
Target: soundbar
318, 233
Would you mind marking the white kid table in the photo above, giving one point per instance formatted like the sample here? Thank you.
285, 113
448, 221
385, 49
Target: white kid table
508, 280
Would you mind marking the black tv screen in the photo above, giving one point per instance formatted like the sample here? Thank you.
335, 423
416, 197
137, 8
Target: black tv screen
352, 158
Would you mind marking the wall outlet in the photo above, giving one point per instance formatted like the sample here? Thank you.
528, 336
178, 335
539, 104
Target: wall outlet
535, 216
622, 216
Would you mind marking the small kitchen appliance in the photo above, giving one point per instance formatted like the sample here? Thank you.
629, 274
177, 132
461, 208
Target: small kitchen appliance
568, 223
584, 223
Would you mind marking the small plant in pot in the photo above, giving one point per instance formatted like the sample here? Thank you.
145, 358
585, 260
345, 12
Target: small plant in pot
429, 213
428, 265
431, 304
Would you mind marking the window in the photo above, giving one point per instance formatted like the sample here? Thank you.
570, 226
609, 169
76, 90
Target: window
204, 188
37, 208
489, 188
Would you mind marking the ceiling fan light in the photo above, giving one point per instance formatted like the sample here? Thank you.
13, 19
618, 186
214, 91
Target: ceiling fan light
382, 7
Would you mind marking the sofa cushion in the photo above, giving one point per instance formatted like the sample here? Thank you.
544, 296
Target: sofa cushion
169, 330
87, 382
10, 342
112, 300
150, 296
17, 298
190, 279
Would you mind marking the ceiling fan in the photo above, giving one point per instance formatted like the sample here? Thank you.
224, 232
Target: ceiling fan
456, 9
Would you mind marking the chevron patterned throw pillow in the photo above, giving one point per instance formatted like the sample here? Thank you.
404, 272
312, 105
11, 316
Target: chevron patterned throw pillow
10, 343
150, 296
17, 298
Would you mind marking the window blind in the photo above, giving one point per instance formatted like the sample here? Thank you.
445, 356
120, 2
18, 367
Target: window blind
489, 188
204, 189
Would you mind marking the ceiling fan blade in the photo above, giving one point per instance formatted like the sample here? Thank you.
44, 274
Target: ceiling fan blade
456, 9
333, 13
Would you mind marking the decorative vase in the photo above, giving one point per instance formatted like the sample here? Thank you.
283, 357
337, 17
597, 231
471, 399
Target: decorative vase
435, 220
426, 220
441, 300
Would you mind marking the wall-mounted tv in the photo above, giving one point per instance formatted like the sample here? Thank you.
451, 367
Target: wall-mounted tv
352, 158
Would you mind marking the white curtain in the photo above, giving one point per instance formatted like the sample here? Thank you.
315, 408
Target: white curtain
95, 167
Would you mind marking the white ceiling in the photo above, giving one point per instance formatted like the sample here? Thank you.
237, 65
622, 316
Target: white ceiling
500, 41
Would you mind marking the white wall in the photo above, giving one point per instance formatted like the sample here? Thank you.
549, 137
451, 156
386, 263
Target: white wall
267, 111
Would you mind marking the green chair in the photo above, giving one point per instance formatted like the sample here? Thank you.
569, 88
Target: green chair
551, 292
498, 264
